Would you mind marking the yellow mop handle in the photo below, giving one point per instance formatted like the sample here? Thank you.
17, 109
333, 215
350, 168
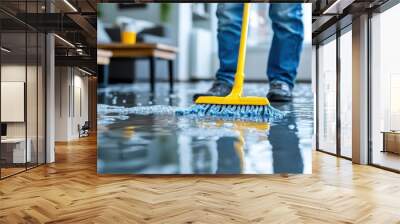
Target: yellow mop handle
235, 97
239, 76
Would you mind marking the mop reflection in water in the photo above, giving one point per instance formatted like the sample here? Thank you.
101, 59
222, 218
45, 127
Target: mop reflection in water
151, 139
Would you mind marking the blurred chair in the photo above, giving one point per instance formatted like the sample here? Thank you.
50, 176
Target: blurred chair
84, 130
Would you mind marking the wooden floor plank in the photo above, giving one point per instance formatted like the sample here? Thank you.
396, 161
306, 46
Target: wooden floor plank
70, 191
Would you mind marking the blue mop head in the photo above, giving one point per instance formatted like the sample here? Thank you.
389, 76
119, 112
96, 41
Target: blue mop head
241, 112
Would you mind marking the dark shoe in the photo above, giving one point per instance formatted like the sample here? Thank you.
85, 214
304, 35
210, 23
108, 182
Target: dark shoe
217, 89
279, 92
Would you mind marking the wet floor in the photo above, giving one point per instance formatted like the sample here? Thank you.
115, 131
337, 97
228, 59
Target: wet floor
139, 133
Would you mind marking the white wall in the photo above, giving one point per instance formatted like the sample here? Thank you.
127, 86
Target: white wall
17, 73
111, 11
70, 83
33, 126
81, 84
14, 73
62, 81
183, 22
13, 101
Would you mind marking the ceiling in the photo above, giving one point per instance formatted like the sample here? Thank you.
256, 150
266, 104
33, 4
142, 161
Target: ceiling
74, 22
329, 16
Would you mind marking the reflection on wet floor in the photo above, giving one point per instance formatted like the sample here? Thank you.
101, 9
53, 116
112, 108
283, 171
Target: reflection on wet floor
140, 134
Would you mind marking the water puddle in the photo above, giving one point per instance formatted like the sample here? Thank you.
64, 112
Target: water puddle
140, 133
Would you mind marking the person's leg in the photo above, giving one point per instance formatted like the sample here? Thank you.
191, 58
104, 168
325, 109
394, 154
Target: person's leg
229, 28
284, 56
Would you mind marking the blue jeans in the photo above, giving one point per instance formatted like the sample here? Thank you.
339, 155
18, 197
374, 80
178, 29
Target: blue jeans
287, 41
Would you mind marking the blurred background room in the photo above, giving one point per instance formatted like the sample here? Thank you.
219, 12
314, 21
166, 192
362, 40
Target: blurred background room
192, 29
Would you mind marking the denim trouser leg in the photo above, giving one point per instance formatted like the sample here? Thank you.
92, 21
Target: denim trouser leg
287, 42
229, 27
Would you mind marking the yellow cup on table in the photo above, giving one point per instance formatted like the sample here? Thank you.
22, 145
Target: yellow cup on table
128, 37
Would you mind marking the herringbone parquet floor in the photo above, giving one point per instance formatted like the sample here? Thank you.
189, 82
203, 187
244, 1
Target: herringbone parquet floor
70, 191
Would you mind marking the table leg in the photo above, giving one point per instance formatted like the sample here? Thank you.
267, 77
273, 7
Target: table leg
384, 142
171, 75
106, 74
133, 70
152, 74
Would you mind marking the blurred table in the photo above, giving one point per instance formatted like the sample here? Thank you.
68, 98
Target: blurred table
14, 152
152, 52
391, 141
103, 57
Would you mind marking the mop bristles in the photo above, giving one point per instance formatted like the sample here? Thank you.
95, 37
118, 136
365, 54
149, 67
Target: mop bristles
234, 105
241, 112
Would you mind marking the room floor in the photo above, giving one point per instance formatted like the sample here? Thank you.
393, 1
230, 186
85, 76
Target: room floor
386, 159
135, 136
71, 191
